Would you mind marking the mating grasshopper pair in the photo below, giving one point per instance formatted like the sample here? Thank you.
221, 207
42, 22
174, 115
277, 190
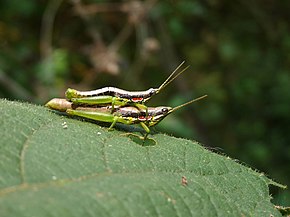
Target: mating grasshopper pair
114, 105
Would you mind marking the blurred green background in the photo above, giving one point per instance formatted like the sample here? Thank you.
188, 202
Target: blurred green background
239, 53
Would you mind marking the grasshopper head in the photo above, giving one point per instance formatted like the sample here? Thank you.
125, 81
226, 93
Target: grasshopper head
153, 91
158, 113
149, 93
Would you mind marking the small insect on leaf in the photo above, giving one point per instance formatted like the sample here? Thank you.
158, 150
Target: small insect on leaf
183, 180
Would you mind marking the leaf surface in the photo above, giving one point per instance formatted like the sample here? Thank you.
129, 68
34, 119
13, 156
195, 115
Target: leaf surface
51, 165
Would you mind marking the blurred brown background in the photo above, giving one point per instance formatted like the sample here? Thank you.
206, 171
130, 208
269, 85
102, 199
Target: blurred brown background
239, 52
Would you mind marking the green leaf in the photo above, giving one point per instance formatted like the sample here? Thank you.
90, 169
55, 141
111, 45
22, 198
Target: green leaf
53, 165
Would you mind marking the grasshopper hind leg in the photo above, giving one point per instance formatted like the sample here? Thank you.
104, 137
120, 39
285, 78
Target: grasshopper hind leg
101, 101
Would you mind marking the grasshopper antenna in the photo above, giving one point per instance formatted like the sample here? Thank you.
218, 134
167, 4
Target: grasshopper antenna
170, 79
187, 103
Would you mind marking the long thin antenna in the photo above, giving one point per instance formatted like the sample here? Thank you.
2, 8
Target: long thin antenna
168, 80
183, 70
187, 103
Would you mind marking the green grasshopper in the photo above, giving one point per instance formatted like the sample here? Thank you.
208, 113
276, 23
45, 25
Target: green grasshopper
118, 97
126, 115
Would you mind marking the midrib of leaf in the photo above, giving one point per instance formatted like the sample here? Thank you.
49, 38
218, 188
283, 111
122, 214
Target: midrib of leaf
22, 155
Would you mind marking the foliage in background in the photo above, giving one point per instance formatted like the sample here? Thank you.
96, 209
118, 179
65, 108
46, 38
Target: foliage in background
238, 52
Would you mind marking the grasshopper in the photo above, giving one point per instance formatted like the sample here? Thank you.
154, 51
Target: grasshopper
126, 115
115, 96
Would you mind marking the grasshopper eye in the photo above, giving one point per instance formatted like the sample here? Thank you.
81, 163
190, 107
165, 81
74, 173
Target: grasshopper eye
164, 110
152, 91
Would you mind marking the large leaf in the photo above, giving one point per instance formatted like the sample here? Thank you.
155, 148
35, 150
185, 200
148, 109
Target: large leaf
52, 165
